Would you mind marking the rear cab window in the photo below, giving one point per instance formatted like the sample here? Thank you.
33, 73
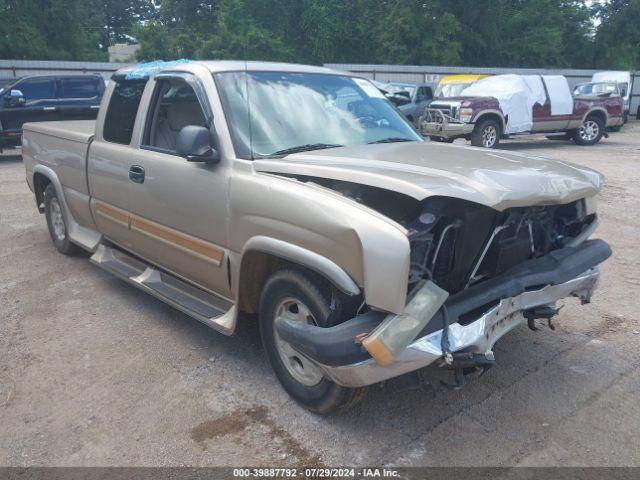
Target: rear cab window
122, 110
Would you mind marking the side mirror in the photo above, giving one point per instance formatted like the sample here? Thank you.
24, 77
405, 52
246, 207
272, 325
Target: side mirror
15, 98
194, 143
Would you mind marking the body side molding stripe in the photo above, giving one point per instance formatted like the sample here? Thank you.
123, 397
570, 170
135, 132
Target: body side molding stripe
193, 246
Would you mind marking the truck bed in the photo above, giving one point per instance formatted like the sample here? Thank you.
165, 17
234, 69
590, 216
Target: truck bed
61, 147
76, 130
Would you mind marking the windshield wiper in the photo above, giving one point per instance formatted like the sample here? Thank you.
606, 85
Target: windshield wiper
306, 148
393, 140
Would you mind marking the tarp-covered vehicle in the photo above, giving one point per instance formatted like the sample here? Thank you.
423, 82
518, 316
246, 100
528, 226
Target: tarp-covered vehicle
504, 105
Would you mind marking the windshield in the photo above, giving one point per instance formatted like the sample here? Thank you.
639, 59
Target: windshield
596, 89
450, 89
272, 114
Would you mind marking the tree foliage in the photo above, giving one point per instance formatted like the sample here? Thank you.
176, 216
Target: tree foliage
618, 37
514, 33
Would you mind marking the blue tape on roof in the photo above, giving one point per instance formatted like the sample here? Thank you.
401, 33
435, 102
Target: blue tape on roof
145, 70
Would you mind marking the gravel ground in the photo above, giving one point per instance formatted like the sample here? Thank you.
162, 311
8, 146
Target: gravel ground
94, 372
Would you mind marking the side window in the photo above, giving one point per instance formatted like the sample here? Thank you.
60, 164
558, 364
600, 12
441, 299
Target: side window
424, 93
79, 87
37, 89
174, 106
122, 109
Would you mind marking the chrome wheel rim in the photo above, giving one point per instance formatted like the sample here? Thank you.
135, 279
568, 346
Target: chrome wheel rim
57, 221
299, 367
589, 130
489, 136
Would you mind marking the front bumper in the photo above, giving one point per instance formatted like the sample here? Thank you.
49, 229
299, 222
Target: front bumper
438, 124
478, 317
478, 336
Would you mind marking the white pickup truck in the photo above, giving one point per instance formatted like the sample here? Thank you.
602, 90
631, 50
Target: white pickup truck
300, 197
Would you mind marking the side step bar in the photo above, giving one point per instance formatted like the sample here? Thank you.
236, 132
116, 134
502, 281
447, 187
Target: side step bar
215, 312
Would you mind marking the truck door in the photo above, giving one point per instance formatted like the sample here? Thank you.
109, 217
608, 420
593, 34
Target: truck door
423, 96
178, 208
38, 103
80, 97
556, 112
110, 158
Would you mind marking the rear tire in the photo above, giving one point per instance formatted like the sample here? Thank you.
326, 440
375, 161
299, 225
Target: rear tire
301, 297
590, 132
486, 134
56, 222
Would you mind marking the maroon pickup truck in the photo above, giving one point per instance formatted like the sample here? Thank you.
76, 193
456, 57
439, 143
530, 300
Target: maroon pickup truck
483, 120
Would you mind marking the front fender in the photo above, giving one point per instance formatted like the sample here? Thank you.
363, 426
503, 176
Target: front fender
307, 258
326, 231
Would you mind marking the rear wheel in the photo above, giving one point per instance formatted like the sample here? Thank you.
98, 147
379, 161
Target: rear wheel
299, 297
590, 132
486, 134
56, 223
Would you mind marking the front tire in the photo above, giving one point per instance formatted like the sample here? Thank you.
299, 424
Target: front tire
301, 297
56, 223
486, 134
590, 132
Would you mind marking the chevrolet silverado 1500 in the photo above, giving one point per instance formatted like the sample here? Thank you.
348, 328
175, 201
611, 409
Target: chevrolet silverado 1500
300, 197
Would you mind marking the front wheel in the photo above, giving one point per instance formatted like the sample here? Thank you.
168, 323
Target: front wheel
298, 296
56, 223
590, 132
486, 134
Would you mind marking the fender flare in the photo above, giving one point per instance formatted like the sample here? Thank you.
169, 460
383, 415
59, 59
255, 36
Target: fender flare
293, 253
82, 236
593, 110
503, 123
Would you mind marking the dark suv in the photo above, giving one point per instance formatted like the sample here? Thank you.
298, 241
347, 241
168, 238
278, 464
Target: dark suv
47, 98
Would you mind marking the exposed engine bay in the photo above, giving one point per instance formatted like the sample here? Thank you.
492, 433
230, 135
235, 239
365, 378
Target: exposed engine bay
457, 243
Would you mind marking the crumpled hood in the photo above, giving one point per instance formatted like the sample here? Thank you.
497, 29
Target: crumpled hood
494, 178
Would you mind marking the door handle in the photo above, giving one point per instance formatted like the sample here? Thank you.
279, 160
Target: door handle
136, 174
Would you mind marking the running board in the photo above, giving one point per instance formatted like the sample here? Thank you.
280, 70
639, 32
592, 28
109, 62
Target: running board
213, 311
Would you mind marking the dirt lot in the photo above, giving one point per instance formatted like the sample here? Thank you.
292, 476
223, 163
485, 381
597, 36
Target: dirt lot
94, 372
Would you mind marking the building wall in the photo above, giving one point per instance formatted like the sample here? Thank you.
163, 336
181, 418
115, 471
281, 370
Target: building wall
123, 52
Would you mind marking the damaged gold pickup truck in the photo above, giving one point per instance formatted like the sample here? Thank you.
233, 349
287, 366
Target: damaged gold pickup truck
301, 197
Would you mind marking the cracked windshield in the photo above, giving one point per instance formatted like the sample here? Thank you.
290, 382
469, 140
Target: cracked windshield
273, 114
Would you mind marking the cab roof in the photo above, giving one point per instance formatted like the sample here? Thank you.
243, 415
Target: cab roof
216, 66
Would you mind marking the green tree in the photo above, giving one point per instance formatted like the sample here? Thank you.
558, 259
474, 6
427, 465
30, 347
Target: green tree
120, 18
47, 29
618, 37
